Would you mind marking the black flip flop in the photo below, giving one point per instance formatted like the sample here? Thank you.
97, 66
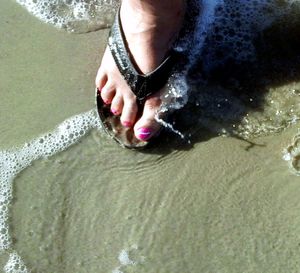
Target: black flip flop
142, 85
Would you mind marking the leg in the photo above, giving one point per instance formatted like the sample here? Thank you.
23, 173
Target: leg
150, 27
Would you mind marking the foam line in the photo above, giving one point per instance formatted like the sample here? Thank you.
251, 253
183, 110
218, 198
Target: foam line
15, 264
14, 161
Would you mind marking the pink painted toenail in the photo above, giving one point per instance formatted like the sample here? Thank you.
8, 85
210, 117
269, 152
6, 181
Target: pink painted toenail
106, 101
115, 112
127, 124
144, 133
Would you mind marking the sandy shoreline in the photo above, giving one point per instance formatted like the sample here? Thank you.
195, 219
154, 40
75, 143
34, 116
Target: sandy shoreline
221, 206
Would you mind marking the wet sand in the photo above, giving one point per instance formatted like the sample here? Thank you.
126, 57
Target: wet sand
220, 206
46, 74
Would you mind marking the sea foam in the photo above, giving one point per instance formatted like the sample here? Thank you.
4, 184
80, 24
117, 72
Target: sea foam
292, 155
13, 161
73, 15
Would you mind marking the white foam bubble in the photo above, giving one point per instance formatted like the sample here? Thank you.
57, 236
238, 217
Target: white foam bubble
73, 15
292, 155
15, 264
125, 259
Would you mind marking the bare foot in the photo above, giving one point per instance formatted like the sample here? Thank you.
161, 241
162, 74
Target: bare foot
150, 27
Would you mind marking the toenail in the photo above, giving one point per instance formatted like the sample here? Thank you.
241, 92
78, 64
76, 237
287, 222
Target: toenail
115, 112
106, 101
127, 124
144, 133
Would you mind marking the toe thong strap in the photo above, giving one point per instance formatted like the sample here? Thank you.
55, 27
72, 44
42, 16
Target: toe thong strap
142, 85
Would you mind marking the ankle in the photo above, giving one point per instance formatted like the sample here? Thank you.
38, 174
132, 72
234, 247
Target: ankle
159, 9
152, 16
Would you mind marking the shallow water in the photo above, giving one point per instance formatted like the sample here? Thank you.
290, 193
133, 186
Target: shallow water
207, 203
236, 209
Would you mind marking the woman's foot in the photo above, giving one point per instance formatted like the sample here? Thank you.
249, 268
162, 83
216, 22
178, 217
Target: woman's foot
150, 27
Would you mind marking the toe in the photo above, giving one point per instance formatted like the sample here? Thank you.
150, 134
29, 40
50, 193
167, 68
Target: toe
129, 111
147, 127
108, 92
117, 104
101, 79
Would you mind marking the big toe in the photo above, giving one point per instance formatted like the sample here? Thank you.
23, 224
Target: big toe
147, 127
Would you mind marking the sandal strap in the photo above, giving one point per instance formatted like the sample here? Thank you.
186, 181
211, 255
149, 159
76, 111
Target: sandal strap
142, 85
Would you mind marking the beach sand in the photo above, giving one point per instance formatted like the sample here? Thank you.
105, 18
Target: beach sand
47, 75
221, 205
